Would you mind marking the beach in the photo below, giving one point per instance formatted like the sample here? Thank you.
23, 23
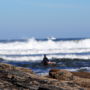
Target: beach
44, 45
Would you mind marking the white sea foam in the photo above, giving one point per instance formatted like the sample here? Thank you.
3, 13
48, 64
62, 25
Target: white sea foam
78, 69
85, 68
32, 47
39, 58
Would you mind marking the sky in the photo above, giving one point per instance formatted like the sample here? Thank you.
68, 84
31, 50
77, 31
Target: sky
44, 18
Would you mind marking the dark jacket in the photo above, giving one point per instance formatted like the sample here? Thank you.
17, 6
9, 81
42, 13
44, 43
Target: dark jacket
45, 60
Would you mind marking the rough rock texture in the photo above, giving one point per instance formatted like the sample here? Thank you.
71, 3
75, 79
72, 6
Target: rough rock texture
17, 78
79, 78
61, 74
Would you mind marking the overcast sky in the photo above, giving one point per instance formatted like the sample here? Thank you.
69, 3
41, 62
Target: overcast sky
43, 18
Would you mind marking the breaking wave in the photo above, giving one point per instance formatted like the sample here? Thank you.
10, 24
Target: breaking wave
33, 49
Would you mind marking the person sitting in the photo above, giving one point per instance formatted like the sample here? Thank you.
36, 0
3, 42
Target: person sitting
45, 60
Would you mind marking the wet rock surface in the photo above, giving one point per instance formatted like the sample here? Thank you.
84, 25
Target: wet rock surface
18, 78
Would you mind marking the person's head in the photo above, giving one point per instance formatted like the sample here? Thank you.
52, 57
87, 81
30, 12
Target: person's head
44, 55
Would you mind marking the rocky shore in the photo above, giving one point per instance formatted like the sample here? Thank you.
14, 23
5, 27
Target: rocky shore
18, 78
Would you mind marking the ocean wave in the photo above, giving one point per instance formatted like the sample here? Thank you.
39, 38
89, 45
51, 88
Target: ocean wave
33, 46
50, 57
53, 48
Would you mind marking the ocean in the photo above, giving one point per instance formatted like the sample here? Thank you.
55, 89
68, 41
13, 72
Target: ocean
72, 54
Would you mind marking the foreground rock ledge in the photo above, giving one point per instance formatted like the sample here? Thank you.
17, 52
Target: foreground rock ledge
18, 78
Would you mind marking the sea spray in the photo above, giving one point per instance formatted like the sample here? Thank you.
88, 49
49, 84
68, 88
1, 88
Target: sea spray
33, 49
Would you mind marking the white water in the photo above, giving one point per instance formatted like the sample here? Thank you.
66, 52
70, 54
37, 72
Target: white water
39, 58
34, 47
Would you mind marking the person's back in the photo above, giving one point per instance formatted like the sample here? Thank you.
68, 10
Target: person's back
45, 60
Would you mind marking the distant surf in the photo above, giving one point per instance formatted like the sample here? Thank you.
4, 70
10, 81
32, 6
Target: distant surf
32, 50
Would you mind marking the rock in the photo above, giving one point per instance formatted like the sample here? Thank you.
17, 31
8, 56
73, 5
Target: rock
83, 82
82, 74
7, 67
17, 78
1, 59
60, 74
74, 78
50, 87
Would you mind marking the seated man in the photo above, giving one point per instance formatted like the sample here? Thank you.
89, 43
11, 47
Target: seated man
46, 61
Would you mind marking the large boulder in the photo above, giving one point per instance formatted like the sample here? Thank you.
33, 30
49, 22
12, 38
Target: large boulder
60, 74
